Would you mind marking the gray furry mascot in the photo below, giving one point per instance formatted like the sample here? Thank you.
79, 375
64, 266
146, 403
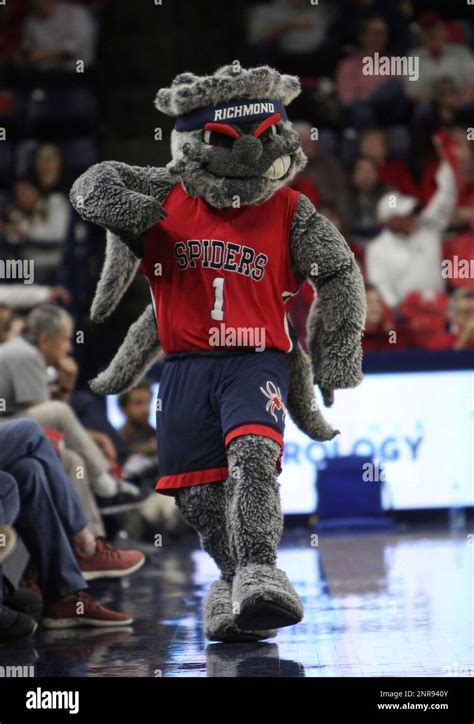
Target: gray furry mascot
224, 244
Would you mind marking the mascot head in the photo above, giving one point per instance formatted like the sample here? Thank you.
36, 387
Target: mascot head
232, 141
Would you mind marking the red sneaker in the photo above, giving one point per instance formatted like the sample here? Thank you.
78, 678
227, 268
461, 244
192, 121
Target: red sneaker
109, 562
79, 609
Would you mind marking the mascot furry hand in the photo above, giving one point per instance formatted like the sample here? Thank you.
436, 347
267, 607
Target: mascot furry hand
224, 244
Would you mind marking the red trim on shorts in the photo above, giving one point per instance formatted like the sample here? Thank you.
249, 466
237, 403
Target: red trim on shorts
168, 483
263, 430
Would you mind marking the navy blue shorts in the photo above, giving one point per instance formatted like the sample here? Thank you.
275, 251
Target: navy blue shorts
207, 400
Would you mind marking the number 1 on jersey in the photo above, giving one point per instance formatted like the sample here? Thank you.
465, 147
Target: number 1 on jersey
217, 312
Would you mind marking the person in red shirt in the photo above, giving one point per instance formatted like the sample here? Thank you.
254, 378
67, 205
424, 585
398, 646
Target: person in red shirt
392, 171
381, 333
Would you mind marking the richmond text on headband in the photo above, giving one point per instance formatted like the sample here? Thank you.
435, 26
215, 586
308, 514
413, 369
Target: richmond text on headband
244, 110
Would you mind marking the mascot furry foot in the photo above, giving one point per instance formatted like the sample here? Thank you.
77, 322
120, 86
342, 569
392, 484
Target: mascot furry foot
219, 623
264, 598
225, 244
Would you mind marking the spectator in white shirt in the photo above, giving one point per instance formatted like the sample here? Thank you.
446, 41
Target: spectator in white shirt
36, 228
406, 256
56, 35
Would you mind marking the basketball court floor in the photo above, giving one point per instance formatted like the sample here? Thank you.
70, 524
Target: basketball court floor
376, 605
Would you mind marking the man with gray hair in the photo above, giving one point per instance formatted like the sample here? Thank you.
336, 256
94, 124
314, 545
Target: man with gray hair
27, 365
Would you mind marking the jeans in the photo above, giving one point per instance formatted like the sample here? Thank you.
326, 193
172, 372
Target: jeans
80, 453
9, 498
9, 508
50, 510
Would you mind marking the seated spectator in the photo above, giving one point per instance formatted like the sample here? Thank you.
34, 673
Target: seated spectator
446, 101
24, 389
439, 59
381, 333
398, 16
292, 35
392, 172
53, 527
366, 190
56, 35
11, 324
137, 432
406, 255
422, 316
36, 228
5, 322
326, 176
369, 99
91, 410
156, 513
461, 323
49, 171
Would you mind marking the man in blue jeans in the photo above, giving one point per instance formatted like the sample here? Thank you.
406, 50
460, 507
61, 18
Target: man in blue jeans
54, 529
13, 624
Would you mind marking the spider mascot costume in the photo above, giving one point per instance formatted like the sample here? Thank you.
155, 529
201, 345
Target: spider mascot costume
224, 244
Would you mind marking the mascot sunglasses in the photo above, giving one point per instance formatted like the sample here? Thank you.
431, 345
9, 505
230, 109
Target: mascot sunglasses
234, 132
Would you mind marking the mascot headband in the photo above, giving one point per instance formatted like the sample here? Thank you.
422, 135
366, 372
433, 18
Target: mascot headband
240, 109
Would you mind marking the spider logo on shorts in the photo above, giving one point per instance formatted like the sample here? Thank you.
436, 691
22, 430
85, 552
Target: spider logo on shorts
272, 392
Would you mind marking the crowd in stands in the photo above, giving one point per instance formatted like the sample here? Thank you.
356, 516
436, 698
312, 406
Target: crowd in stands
391, 158
390, 163
68, 479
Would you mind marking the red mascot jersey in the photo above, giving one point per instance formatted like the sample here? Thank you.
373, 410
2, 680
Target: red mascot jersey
221, 278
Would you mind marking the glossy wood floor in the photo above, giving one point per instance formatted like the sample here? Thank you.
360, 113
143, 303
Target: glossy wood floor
376, 605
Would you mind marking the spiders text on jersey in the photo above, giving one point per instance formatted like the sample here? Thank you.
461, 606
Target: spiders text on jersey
217, 254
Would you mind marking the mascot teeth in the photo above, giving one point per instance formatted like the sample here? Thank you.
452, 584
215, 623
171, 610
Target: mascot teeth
279, 168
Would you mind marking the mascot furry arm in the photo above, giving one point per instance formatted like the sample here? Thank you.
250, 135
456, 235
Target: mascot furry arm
337, 317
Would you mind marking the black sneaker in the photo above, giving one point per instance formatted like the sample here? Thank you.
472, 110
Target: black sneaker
15, 625
123, 500
24, 601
